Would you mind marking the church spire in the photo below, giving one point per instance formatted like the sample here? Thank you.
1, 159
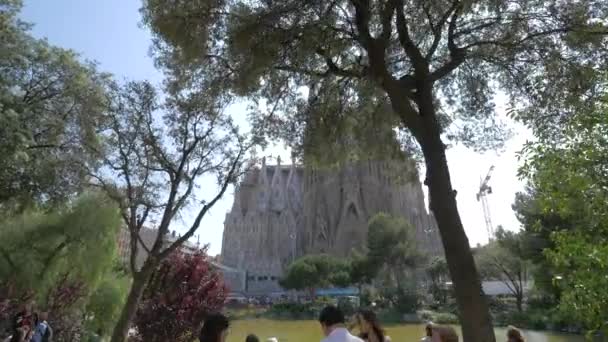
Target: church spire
263, 173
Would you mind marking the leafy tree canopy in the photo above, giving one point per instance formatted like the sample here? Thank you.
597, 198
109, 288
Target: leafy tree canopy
316, 271
391, 242
106, 301
351, 54
569, 179
78, 242
390, 250
51, 105
438, 273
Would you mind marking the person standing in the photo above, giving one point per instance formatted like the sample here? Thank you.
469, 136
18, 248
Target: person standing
333, 326
428, 329
215, 329
23, 323
42, 331
370, 328
514, 335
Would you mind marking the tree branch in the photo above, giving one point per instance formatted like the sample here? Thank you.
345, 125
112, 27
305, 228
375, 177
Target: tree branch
386, 18
142, 243
457, 55
476, 28
511, 284
438, 29
52, 256
333, 68
229, 178
507, 44
41, 146
133, 239
158, 152
418, 61
362, 22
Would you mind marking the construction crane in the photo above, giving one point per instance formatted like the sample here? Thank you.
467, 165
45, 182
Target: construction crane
484, 190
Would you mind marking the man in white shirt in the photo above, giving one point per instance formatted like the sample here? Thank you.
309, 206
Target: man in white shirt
334, 329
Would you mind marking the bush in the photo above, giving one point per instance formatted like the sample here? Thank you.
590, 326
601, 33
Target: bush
426, 315
390, 316
295, 310
537, 319
347, 306
445, 318
105, 304
402, 300
498, 304
180, 293
299, 311
64, 309
407, 301
437, 317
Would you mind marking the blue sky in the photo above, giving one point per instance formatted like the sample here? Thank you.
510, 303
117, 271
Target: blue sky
109, 32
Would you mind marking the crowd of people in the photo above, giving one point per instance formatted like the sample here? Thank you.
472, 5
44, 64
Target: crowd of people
334, 327
30, 326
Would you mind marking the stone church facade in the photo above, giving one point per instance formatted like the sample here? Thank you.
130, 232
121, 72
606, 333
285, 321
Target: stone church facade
282, 212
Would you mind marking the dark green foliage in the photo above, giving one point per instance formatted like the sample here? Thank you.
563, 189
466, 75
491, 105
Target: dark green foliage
103, 307
391, 248
568, 210
316, 271
389, 262
362, 270
405, 299
438, 273
537, 227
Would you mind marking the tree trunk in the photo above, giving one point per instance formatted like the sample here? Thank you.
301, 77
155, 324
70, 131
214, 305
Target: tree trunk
475, 316
520, 300
140, 280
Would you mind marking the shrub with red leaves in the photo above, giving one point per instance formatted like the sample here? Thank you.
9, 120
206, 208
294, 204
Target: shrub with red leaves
182, 291
64, 310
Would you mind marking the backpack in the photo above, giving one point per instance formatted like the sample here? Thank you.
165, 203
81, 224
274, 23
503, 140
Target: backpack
48, 333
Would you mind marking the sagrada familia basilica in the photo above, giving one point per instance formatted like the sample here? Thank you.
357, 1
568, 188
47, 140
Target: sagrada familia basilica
282, 212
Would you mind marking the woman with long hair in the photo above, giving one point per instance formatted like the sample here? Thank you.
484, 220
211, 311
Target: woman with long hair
214, 329
514, 335
369, 327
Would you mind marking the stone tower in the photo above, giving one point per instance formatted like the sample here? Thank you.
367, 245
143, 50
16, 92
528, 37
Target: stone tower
339, 203
281, 212
260, 229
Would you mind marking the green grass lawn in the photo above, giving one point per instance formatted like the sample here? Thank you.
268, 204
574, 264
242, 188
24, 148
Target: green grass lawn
307, 331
